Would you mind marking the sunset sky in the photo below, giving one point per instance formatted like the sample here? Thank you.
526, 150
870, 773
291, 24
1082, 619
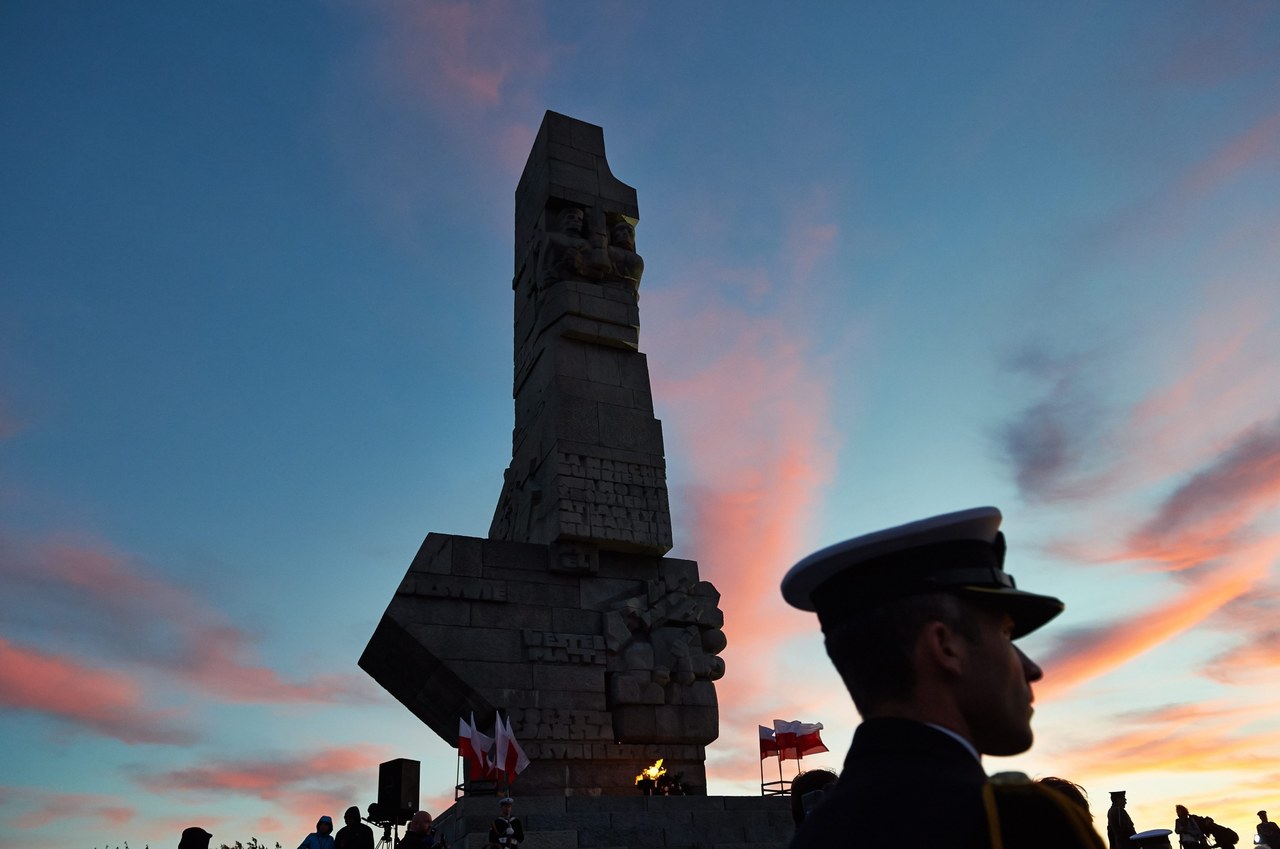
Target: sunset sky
901, 258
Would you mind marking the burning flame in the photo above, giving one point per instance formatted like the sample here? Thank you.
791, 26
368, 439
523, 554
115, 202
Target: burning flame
652, 772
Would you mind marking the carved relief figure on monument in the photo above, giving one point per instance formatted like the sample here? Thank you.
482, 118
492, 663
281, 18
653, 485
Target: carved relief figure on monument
663, 649
564, 251
627, 265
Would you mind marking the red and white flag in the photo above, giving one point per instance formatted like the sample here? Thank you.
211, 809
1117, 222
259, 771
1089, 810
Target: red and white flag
768, 745
511, 758
475, 747
796, 739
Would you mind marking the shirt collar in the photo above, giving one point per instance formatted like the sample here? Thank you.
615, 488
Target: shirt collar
969, 747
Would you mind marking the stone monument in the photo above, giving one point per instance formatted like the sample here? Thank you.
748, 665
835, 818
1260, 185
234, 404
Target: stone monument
568, 618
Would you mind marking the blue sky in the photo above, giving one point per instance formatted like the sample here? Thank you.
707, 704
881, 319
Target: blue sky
901, 258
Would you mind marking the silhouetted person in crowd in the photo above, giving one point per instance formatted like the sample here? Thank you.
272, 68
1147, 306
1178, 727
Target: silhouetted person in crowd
1119, 823
194, 838
506, 830
1190, 836
1223, 837
1069, 790
419, 835
808, 789
920, 621
355, 834
1268, 832
322, 837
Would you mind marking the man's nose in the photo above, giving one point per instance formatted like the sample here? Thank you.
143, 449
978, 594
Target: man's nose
1029, 667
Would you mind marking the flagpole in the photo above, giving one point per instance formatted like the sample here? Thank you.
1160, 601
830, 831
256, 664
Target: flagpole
762, 776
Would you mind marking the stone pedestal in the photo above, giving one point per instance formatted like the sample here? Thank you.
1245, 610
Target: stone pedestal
628, 822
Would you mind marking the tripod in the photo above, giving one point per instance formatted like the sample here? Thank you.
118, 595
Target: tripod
386, 837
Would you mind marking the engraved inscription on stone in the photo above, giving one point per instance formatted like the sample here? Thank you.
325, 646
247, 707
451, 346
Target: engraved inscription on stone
546, 647
469, 589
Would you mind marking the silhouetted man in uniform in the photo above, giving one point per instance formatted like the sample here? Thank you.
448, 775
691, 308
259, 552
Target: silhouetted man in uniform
1119, 823
506, 830
920, 621
1268, 832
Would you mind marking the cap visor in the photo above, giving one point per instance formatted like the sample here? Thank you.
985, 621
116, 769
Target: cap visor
1029, 611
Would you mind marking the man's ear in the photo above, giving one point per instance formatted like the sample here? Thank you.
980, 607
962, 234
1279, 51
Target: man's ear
942, 648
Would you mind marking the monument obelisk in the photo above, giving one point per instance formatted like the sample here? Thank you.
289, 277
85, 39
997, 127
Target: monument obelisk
568, 618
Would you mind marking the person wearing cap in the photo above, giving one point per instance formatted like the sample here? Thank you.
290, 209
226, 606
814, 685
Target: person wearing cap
1119, 823
322, 837
194, 838
506, 830
1268, 832
919, 621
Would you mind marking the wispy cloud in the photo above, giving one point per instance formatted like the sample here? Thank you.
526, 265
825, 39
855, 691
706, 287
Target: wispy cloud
34, 809
299, 786
1053, 444
116, 613
1086, 653
466, 56
108, 703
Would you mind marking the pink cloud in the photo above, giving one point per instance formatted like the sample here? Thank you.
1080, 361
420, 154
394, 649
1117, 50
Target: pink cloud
1256, 146
108, 703
127, 614
39, 808
270, 779
300, 787
750, 421
467, 55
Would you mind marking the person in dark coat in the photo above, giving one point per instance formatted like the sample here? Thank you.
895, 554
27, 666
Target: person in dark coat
1268, 832
419, 834
355, 834
1119, 823
1223, 836
920, 621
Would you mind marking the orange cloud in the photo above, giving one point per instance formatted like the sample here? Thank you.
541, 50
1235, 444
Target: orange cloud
106, 702
1184, 739
1203, 517
1088, 653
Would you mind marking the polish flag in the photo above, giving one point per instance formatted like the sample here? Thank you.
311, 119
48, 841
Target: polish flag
511, 757
768, 745
796, 739
475, 747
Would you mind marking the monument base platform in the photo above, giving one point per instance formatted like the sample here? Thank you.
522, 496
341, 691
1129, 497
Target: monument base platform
627, 822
